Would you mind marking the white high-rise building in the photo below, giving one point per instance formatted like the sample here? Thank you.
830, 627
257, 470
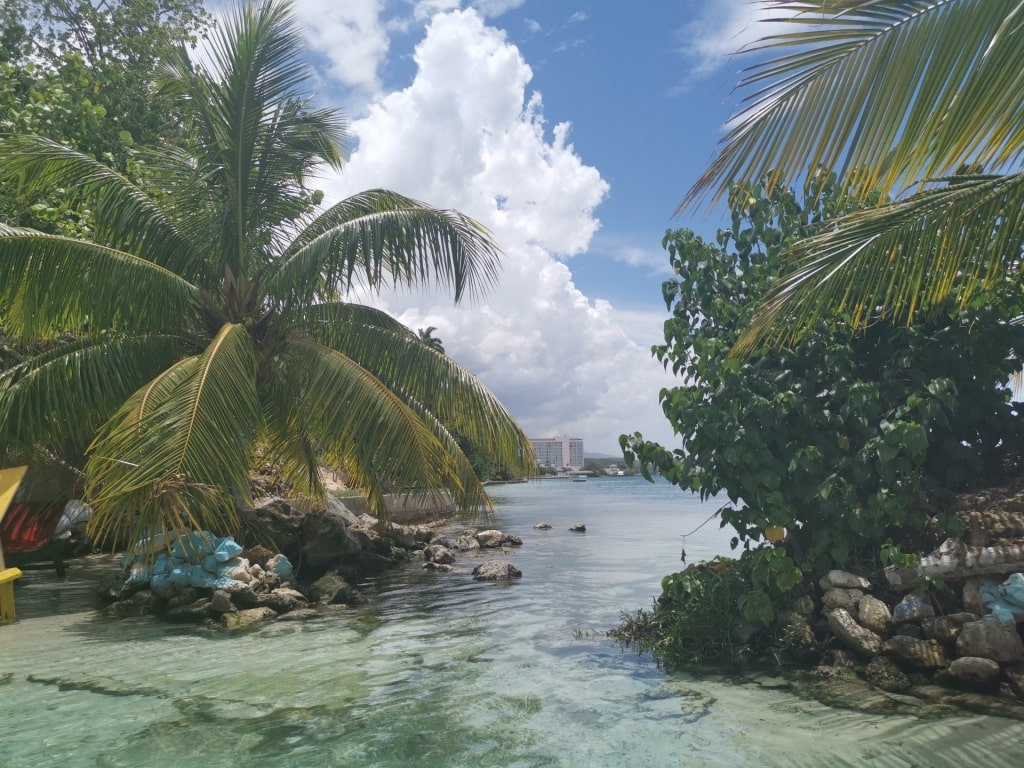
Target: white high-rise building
559, 451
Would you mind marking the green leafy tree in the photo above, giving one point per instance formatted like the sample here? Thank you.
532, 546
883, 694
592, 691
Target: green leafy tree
842, 439
906, 97
208, 311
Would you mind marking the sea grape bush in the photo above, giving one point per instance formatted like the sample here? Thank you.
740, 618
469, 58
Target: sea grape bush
844, 440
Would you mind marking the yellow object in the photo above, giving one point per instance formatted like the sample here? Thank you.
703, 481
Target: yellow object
775, 533
10, 479
7, 577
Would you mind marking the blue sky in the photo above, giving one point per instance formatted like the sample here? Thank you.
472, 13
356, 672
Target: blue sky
572, 130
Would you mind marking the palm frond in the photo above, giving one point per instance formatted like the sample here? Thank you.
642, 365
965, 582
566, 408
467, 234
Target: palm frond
422, 374
62, 396
187, 436
897, 90
52, 284
382, 440
379, 238
256, 135
126, 218
908, 256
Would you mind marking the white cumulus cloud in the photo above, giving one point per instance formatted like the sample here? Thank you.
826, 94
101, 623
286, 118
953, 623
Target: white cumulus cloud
466, 133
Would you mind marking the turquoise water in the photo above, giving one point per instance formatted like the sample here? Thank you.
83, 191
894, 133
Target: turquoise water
442, 671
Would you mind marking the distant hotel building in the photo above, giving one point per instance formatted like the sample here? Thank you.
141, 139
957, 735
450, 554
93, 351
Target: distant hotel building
559, 451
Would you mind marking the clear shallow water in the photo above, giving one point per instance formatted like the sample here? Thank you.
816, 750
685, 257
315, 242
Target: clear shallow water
442, 671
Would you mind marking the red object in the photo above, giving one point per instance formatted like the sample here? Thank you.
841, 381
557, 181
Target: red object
28, 529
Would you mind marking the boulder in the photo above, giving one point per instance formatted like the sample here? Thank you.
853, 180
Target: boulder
273, 521
496, 570
882, 673
851, 634
511, 540
973, 672
282, 600
990, 639
873, 614
247, 618
194, 611
489, 539
842, 598
972, 599
435, 553
330, 588
924, 654
912, 609
946, 629
466, 543
220, 602
843, 580
543, 526
578, 528
325, 539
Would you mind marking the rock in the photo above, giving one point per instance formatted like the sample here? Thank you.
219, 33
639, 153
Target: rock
511, 540
435, 553
842, 598
220, 602
467, 543
273, 520
402, 536
330, 588
142, 603
990, 639
282, 600
300, 614
247, 618
325, 538
496, 570
873, 614
972, 599
853, 635
441, 541
543, 526
243, 595
843, 580
489, 539
1015, 680
431, 565
925, 654
578, 528
973, 672
195, 611
258, 554
112, 586
882, 673
912, 608
946, 629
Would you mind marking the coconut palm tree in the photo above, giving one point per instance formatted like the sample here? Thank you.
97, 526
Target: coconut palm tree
907, 99
208, 317
426, 335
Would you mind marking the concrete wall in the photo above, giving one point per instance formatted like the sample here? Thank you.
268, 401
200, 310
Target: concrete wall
406, 510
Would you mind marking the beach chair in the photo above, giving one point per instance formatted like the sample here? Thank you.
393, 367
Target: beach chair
10, 479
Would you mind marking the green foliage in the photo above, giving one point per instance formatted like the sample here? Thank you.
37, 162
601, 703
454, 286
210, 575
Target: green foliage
843, 440
205, 312
701, 611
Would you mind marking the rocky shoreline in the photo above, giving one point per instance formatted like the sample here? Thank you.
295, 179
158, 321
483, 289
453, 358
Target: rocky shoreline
286, 563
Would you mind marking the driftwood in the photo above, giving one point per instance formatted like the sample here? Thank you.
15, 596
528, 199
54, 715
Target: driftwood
956, 560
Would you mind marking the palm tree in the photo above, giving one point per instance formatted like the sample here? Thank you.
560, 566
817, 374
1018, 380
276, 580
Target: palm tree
907, 99
426, 335
207, 313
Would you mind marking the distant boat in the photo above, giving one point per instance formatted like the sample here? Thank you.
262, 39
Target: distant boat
578, 477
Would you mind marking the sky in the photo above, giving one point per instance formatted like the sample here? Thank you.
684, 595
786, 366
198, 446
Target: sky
571, 130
